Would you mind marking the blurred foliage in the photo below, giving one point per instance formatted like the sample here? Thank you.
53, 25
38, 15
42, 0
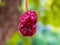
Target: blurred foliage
14, 39
2, 3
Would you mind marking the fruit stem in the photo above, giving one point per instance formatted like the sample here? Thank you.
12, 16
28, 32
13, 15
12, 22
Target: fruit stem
26, 5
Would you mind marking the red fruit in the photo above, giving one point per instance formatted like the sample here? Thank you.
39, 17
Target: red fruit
29, 17
27, 26
25, 19
27, 31
33, 18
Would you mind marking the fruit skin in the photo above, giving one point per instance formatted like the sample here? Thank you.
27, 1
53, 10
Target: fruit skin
27, 31
27, 26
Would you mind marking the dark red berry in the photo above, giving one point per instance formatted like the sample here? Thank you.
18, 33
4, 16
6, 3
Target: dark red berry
27, 26
29, 17
27, 31
25, 19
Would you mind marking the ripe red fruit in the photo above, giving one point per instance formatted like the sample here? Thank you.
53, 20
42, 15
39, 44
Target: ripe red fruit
27, 26
27, 31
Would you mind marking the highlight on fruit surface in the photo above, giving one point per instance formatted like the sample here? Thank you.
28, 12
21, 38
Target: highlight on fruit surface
27, 25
